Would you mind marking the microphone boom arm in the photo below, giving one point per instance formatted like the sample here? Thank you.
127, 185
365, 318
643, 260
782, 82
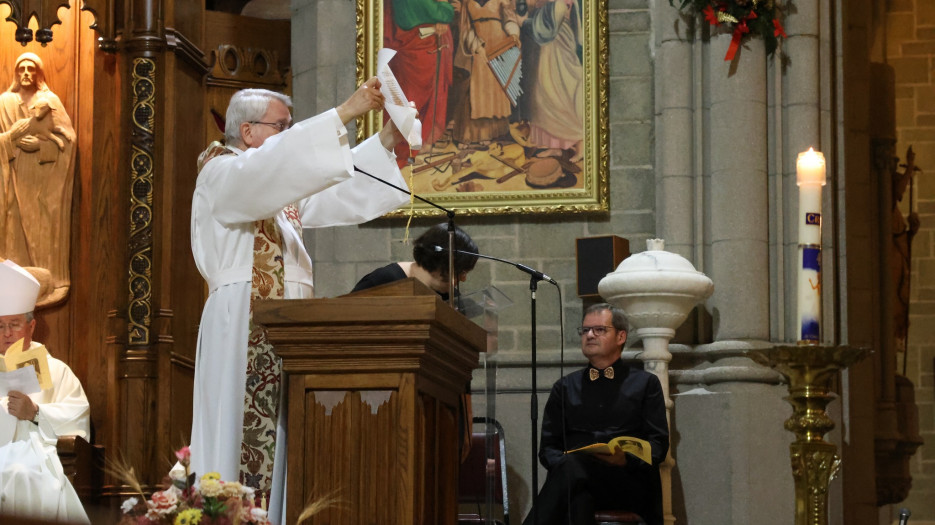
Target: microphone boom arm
536, 274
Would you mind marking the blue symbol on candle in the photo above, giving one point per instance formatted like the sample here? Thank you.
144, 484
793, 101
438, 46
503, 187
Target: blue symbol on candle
811, 259
813, 219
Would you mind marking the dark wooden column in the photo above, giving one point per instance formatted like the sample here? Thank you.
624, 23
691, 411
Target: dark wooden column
137, 363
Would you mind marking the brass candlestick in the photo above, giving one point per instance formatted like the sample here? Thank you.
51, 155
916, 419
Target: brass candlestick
808, 371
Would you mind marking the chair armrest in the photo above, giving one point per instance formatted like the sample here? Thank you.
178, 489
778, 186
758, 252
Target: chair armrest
83, 464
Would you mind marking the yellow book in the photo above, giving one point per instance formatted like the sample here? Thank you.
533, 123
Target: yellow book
16, 358
621, 445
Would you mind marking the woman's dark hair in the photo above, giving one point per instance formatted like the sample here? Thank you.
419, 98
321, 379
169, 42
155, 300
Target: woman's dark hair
426, 255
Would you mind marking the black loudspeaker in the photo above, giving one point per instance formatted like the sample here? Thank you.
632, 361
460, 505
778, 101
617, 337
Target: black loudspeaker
595, 258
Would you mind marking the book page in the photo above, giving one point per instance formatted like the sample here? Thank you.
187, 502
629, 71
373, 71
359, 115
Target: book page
397, 105
22, 380
37, 357
639, 448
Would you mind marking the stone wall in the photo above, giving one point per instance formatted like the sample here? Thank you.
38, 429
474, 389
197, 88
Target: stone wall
910, 50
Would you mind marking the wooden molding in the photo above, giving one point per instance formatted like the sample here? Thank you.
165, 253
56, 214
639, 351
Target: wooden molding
187, 51
46, 14
233, 65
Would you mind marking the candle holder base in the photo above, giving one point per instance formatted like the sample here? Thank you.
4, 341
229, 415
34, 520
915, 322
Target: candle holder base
808, 370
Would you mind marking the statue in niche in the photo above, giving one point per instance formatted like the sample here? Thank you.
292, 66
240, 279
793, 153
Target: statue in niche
904, 229
37, 148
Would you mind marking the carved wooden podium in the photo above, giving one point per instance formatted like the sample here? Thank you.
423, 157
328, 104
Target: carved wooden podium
373, 381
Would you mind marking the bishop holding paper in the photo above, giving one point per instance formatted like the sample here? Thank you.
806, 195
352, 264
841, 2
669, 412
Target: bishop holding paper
253, 197
32, 483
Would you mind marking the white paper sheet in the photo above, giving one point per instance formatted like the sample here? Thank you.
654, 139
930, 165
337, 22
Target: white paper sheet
22, 379
397, 105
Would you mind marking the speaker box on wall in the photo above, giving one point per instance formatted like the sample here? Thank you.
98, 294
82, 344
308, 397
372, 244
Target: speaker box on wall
595, 258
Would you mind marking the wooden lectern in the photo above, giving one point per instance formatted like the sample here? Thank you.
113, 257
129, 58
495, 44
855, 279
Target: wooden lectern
372, 385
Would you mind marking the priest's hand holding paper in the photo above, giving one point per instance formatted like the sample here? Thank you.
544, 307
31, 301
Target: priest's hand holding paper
367, 98
21, 406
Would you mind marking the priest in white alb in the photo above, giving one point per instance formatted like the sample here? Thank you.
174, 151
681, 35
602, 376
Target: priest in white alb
253, 196
32, 483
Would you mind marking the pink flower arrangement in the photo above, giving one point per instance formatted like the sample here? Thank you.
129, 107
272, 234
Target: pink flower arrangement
210, 502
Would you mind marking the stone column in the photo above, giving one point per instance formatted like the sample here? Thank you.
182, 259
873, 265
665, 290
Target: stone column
736, 233
675, 140
722, 397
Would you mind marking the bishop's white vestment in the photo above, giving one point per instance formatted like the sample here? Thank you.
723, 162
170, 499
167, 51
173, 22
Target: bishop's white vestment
32, 482
310, 165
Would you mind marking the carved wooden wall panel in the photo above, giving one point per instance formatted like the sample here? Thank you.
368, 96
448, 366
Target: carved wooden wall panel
244, 52
87, 82
129, 327
60, 59
180, 295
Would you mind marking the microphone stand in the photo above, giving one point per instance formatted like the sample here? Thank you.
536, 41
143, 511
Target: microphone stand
534, 277
451, 231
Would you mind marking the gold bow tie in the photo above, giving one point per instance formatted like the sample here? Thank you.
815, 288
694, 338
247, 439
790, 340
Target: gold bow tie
594, 373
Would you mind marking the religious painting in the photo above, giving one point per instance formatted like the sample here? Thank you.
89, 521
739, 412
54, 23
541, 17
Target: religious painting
512, 95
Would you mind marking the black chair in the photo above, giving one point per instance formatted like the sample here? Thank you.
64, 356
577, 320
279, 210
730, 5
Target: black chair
617, 517
482, 485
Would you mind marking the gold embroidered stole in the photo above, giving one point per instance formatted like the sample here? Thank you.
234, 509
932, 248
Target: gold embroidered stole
264, 369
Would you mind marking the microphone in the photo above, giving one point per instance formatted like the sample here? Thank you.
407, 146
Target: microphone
535, 273
904, 516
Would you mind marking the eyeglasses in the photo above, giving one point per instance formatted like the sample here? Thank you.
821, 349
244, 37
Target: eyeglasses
278, 126
15, 326
598, 330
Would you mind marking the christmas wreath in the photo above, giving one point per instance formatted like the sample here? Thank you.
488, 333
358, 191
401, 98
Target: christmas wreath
742, 17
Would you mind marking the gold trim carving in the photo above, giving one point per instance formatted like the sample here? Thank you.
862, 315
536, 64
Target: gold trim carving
592, 197
143, 91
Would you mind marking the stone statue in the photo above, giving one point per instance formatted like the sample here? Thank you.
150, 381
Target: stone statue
37, 148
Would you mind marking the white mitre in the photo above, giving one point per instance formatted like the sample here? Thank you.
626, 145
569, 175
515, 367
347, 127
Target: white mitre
18, 289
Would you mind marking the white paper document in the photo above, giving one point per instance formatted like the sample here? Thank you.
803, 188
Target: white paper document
22, 380
397, 105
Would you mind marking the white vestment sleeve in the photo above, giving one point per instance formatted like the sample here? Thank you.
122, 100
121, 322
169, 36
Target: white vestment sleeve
361, 198
68, 413
311, 156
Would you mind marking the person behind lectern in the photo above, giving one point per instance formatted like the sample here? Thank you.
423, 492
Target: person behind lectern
32, 483
252, 198
430, 262
592, 405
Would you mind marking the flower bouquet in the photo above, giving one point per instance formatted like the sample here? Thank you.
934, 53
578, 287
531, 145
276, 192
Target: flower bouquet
212, 502
742, 17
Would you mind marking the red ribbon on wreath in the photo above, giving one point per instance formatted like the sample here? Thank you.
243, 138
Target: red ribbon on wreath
778, 29
739, 31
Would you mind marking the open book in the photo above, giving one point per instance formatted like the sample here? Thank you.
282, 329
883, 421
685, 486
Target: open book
621, 445
38, 357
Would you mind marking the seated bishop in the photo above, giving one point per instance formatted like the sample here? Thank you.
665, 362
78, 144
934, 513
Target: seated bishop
32, 483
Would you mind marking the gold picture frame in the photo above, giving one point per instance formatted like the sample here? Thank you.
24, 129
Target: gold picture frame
527, 169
